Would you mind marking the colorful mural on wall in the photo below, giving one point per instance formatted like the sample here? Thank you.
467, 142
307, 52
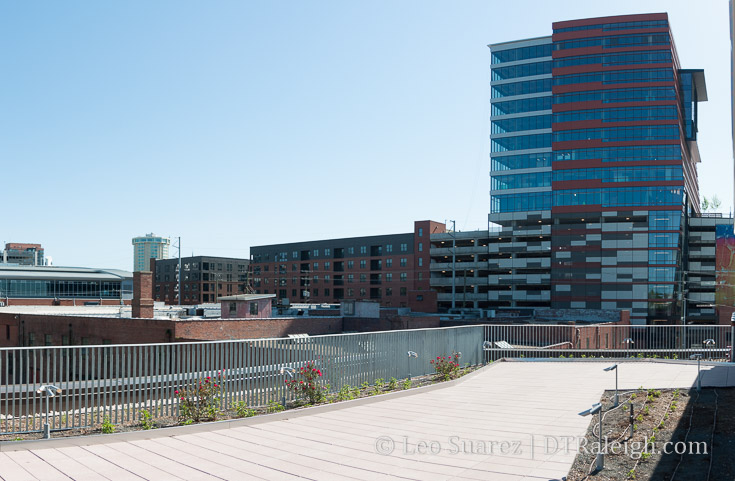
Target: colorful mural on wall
725, 266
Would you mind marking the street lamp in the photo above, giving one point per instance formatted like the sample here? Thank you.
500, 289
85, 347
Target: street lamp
50, 390
698, 357
709, 343
286, 371
627, 341
614, 367
597, 409
410, 355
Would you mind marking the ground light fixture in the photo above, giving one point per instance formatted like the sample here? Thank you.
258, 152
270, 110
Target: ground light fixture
51, 391
709, 343
627, 341
597, 409
410, 355
486, 346
614, 367
698, 357
286, 371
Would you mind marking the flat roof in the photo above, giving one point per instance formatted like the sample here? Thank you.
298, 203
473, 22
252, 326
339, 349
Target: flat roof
62, 273
247, 297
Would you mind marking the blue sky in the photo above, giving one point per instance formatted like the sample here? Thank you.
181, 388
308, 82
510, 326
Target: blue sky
236, 123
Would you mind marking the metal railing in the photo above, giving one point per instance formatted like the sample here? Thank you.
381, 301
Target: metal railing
607, 340
117, 382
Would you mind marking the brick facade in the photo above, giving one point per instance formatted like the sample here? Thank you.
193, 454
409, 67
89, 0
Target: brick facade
392, 269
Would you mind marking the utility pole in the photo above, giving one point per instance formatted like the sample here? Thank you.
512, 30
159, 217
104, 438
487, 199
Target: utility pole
454, 263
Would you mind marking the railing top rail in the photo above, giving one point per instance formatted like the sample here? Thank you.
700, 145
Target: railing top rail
234, 341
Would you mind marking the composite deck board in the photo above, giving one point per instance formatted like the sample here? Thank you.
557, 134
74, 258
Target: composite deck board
523, 402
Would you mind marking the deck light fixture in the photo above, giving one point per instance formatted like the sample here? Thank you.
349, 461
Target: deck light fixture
410, 355
614, 367
698, 357
627, 341
51, 391
597, 409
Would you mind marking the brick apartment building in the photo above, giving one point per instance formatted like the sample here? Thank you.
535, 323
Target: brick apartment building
392, 269
203, 278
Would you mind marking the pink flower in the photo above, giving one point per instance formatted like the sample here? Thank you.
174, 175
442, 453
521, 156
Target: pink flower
176, 392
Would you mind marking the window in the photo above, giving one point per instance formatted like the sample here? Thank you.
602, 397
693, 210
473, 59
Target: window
389, 277
293, 268
326, 292
420, 297
404, 277
404, 247
295, 255
350, 264
254, 308
350, 278
420, 276
404, 262
403, 291
327, 252
350, 250
389, 262
363, 249
389, 248
421, 261
316, 292
363, 292
327, 265
350, 292
421, 247
363, 264
421, 232
316, 252
233, 308
363, 277
388, 291
47, 340
316, 266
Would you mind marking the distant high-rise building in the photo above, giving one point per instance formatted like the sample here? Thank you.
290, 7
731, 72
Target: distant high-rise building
23, 254
594, 155
149, 247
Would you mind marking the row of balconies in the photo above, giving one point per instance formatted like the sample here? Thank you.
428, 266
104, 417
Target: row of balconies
518, 295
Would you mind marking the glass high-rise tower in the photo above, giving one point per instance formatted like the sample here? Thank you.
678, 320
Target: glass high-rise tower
593, 155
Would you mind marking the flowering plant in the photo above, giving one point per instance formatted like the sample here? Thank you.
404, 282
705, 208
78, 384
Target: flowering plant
202, 399
305, 384
446, 367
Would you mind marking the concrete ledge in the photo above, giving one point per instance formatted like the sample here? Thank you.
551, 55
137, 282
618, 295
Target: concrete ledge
89, 440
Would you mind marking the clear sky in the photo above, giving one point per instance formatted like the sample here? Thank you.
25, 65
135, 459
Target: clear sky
235, 123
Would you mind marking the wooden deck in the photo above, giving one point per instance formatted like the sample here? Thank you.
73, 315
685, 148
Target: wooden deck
455, 433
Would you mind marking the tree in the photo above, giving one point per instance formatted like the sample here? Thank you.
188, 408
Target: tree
711, 204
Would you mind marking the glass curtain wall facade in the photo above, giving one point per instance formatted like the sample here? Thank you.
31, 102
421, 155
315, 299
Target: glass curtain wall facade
616, 170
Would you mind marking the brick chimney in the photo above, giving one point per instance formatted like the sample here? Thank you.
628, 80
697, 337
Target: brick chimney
143, 294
